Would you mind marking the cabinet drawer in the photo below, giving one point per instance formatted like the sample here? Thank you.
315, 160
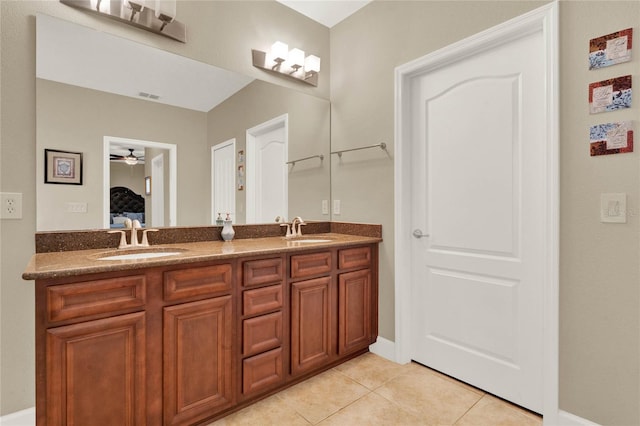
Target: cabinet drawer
261, 371
306, 265
354, 257
202, 281
261, 333
89, 298
257, 272
261, 300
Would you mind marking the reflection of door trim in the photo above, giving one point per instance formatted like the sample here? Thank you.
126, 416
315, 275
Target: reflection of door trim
544, 19
251, 136
157, 199
173, 174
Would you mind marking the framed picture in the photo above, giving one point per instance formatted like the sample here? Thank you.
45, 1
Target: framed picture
62, 167
147, 185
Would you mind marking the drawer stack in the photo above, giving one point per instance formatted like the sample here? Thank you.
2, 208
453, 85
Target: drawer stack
262, 324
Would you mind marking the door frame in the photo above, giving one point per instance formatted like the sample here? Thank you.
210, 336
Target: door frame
544, 19
173, 174
251, 135
157, 174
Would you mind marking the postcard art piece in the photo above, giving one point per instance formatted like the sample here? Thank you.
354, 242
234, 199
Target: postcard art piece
611, 49
610, 95
611, 138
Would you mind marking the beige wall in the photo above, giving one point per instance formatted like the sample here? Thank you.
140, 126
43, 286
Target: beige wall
599, 300
309, 127
77, 119
219, 32
599, 291
132, 177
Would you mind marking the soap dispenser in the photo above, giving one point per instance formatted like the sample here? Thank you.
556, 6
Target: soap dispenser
227, 230
219, 221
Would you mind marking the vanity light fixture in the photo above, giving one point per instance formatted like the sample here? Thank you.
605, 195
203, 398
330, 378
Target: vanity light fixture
157, 16
287, 62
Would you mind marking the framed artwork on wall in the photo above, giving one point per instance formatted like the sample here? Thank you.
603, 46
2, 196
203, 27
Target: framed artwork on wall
62, 167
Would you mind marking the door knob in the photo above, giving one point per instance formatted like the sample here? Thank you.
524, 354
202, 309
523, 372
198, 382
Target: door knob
418, 234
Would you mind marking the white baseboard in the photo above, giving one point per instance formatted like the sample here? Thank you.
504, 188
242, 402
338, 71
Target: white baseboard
20, 418
384, 348
568, 419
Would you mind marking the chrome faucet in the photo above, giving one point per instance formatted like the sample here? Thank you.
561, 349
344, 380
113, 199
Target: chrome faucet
133, 226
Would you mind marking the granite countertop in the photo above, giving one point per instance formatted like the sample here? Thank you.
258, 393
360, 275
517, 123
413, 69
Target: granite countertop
70, 263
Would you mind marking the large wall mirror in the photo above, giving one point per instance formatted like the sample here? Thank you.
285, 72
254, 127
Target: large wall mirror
188, 139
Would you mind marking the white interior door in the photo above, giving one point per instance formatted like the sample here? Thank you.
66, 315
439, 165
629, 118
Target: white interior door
267, 179
157, 191
223, 180
478, 172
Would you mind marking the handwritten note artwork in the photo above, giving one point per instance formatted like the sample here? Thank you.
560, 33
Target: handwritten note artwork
610, 95
611, 138
610, 49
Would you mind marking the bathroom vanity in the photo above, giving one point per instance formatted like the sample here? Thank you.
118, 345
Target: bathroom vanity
186, 338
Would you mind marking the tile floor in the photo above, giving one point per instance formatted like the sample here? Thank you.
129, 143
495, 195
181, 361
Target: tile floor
370, 390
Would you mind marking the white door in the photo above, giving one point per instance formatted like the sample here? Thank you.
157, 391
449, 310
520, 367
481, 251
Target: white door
267, 179
223, 180
478, 134
157, 191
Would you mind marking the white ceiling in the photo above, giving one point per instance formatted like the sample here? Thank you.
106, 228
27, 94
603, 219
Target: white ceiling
326, 12
81, 56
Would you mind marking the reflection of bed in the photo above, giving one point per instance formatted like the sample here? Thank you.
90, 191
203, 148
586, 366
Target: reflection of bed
125, 204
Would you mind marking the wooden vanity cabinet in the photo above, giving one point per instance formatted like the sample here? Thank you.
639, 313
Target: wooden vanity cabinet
333, 306
185, 344
197, 343
152, 347
91, 350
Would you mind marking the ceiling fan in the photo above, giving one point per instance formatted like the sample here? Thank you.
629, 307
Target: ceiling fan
130, 158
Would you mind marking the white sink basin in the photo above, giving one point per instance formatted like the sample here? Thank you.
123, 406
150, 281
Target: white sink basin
312, 240
140, 255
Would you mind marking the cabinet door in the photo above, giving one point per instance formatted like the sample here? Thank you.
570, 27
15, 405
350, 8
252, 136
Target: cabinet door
197, 360
96, 372
310, 324
354, 310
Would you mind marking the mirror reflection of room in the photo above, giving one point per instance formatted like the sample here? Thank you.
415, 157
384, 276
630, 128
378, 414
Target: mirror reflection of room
195, 113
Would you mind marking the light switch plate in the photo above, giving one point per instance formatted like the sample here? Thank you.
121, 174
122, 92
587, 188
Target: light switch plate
613, 208
325, 206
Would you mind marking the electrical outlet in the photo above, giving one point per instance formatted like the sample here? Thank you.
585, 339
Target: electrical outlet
336, 206
325, 206
11, 205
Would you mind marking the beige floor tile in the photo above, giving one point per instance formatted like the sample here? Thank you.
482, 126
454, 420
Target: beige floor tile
321, 396
371, 370
492, 411
414, 366
433, 399
372, 410
271, 411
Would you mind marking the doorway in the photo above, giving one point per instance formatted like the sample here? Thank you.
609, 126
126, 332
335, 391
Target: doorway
171, 196
223, 187
267, 177
476, 189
